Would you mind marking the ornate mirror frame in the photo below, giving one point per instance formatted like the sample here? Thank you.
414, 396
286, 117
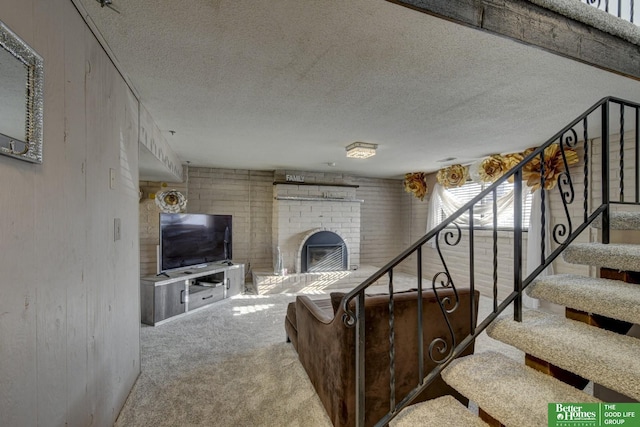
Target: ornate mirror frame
29, 149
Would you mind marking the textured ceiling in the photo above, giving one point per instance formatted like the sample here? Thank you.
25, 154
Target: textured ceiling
287, 84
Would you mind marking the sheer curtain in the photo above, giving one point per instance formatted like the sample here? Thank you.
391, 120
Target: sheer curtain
443, 200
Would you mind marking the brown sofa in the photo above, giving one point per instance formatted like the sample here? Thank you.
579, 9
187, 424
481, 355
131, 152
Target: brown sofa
326, 348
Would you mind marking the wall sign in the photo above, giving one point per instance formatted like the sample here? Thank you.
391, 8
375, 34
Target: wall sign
294, 178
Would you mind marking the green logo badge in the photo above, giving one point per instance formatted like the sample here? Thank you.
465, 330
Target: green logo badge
594, 414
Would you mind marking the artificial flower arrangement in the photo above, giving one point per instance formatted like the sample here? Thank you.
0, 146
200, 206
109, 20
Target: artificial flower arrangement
416, 183
553, 166
492, 168
452, 176
171, 201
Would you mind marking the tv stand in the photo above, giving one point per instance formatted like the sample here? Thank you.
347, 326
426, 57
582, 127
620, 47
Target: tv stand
182, 291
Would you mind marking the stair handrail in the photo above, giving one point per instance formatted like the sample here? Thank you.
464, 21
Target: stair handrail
567, 137
454, 216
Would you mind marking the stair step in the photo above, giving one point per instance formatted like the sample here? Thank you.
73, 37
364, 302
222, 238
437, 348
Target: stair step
444, 411
605, 357
509, 391
618, 256
620, 221
610, 298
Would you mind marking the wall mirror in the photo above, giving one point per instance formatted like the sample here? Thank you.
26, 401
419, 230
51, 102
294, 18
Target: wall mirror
21, 93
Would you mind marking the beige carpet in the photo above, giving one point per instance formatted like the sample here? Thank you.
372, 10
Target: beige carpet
229, 365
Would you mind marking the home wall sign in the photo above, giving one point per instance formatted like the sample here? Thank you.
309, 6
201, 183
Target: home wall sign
294, 178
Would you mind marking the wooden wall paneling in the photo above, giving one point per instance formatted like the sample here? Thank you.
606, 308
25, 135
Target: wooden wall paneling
125, 313
18, 282
112, 124
54, 220
69, 312
18, 16
101, 202
74, 152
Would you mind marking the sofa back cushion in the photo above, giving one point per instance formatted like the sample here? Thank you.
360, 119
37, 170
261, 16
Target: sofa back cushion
336, 297
435, 331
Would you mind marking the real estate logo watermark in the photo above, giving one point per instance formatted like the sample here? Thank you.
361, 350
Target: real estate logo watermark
594, 414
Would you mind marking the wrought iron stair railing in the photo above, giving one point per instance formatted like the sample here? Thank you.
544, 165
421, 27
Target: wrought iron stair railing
622, 9
590, 136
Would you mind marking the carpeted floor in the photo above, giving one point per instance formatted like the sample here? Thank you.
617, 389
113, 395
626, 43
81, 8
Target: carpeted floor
229, 365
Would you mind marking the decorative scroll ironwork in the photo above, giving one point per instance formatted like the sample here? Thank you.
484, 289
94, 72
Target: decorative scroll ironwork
439, 350
543, 222
349, 317
637, 148
451, 238
621, 153
561, 232
392, 345
586, 168
495, 251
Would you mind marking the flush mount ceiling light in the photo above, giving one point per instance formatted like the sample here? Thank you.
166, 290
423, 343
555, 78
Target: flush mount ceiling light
361, 150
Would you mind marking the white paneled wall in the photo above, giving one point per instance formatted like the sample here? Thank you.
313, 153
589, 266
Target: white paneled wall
69, 311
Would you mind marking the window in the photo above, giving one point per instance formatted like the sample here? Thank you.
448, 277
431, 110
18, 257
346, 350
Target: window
483, 211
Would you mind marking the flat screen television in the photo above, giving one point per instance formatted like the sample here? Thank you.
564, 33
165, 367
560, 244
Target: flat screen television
188, 240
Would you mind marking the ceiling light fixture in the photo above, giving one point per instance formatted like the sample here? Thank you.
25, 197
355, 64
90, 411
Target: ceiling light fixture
361, 150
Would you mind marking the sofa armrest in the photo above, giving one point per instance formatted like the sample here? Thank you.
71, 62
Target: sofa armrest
325, 349
309, 306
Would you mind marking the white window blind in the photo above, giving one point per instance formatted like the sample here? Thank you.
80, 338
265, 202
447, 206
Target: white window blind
505, 219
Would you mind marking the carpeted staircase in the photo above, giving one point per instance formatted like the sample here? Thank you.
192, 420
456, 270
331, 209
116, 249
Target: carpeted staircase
513, 394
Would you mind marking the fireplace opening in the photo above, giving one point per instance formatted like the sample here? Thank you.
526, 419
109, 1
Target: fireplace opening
323, 251
324, 258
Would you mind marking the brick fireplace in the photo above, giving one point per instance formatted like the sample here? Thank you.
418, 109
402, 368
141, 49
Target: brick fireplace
304, 212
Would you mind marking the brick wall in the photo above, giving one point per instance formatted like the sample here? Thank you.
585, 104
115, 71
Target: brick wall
384, 219
390, 220
249, 195
150, 223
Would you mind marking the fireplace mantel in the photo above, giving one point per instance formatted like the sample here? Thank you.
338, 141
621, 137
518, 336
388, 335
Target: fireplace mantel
318, 199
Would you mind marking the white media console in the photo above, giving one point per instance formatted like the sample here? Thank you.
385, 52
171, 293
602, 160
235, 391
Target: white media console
169, 295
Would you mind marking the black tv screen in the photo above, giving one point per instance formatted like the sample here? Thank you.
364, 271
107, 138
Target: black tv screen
192, 239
